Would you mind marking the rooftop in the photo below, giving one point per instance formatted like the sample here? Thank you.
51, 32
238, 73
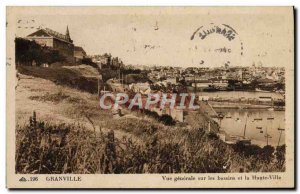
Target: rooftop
52, 33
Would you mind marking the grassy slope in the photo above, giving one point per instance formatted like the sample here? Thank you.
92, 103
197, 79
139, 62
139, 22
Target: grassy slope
62, 76
84, 70
57, 103
60, 104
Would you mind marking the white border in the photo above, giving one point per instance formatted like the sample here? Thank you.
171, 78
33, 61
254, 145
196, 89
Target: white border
5, 3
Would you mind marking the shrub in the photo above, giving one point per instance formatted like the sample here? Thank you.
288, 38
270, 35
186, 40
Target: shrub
46, 149
167, 120
27, 51
88, 61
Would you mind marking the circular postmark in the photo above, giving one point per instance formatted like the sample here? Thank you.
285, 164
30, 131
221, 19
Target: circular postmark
216, 45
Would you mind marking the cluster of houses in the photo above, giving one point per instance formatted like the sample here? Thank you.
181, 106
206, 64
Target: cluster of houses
222, 78
144, 89
173, 77
107, 61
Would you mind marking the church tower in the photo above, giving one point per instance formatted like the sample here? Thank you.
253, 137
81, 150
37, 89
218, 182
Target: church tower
68, 34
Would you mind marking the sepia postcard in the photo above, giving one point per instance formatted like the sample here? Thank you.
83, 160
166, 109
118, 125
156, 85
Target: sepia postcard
150, 97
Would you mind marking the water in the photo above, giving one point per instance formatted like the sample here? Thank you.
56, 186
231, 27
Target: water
239, 94
236, 124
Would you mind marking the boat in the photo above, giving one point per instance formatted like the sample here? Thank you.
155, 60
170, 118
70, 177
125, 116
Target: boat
258, 119
270, 118
260, 129
268, 136
220, 115
279, 108
156, 26
280, 91
210, 89
280, 133
244, 141
228, 117
236, 139
260, 90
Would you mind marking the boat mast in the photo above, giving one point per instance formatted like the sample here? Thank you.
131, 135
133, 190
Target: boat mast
119, 74
279, 129
245, 126
267, 135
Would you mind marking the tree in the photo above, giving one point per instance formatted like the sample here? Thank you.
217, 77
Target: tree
267, 153
280, 155
167, 119
88, 61
27, 52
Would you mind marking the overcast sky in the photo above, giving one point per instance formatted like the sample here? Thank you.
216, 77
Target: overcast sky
162, 36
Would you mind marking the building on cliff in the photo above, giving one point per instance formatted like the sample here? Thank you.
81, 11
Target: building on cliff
60, 42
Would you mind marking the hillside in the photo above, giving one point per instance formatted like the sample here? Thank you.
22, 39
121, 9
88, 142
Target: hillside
72, 77
133, 143
84, 70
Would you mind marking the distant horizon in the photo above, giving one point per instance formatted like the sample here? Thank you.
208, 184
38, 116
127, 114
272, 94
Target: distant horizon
211, 67
157, 65
172, 38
